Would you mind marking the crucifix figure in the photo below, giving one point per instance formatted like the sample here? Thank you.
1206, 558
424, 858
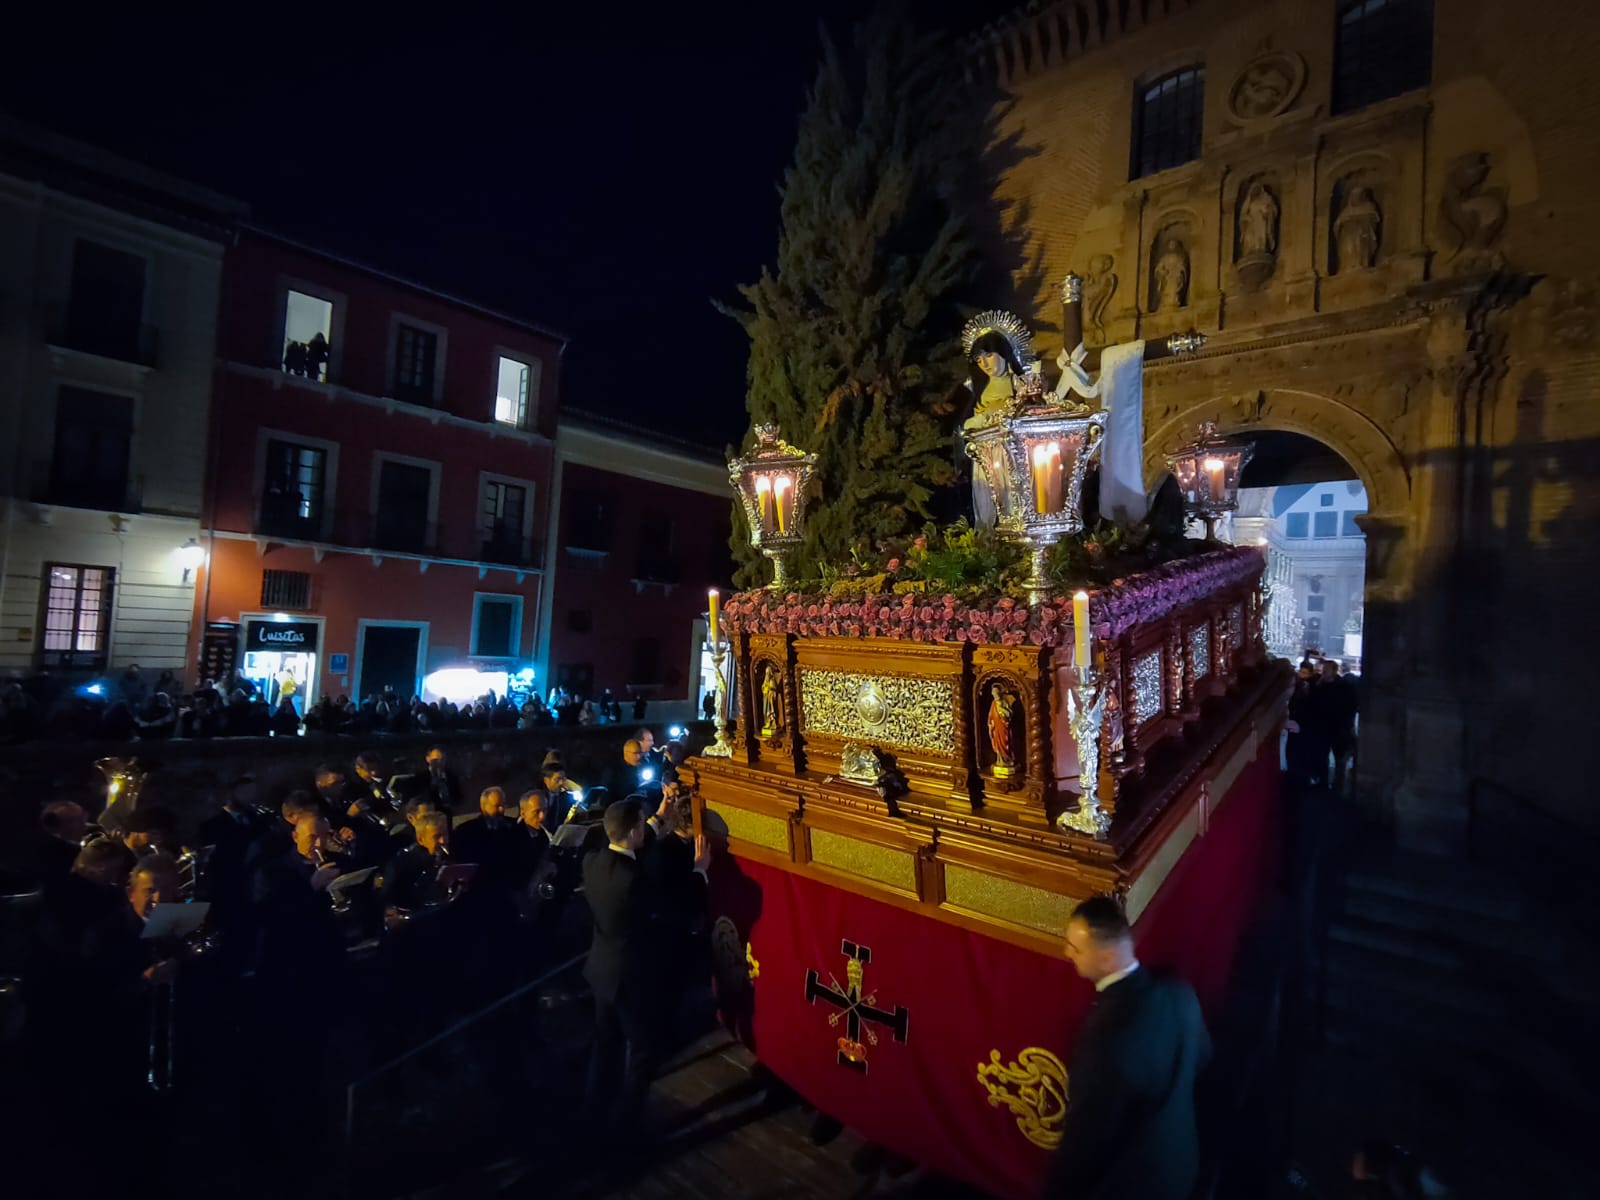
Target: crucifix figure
858, 1012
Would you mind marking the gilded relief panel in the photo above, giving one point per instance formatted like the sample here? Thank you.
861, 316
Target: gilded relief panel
882, 710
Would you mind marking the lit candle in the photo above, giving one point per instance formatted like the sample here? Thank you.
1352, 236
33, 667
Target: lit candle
712, 602
1214, 470
780, 495
1080, 628
1054, 477
1041, 469
764, 501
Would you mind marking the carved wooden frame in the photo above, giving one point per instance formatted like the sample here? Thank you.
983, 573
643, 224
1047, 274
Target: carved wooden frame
1025, 669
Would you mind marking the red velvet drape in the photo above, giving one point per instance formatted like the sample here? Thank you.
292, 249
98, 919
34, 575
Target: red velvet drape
965, 994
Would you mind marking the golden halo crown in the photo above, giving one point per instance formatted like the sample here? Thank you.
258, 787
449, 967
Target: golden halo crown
1008, 326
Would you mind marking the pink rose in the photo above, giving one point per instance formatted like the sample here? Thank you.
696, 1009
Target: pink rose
949, 602
924, 613
892, 565
1005, 604
812, 610
1036, 636
884, 614
1012, 637
977, 633
920, 542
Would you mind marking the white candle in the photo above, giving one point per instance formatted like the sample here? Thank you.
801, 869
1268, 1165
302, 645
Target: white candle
780, 495
1214, 469
1041, 468
763, 501
1080, 629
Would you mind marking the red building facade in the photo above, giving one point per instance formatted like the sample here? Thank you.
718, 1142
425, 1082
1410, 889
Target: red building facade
640, 533
381, 474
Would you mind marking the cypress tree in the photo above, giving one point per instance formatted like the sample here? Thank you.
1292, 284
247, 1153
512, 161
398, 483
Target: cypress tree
854, 335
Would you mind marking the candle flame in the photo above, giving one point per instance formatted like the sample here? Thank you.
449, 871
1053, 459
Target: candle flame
1215, 464
763, 484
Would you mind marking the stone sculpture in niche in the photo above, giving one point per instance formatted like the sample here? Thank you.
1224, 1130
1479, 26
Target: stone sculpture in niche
1257, 235
1171, 275
1097, 292
1356, 230
1472, 213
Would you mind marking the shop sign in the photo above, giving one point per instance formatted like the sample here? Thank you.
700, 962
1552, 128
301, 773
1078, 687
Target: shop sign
291, 637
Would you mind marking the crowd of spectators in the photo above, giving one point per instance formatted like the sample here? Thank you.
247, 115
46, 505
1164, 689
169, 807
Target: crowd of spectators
130, 706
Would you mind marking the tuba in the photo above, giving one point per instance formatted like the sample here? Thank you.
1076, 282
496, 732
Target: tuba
124, 781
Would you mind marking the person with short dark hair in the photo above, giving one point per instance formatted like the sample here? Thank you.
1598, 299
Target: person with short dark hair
54, 846
624, 967
1133, 1071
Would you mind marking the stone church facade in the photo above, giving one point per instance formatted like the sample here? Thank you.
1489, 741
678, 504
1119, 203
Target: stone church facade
1386, 216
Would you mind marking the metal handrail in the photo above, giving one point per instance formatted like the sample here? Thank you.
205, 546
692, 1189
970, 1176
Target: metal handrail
406, 1056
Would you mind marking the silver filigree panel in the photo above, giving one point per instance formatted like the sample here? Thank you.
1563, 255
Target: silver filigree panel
1236, 627
1146, 687
1200, 650
881, 710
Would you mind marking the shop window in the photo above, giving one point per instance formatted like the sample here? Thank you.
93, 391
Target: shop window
518, 384
286, 591
293, 496
1296, 525
496, 625
415, 352
77, 616
94, 440
1166, 121
307, 335
1381, 49
105, 313
1326, 525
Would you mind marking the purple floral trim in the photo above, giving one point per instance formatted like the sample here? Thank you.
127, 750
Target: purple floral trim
1139, 599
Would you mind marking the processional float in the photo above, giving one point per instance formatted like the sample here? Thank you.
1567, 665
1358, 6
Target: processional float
910, 791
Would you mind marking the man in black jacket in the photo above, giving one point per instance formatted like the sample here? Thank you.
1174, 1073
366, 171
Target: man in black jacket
1130, 1130
624, 969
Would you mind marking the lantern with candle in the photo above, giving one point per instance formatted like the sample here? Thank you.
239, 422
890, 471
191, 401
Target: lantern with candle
772, 479
1207, 471
1030, 454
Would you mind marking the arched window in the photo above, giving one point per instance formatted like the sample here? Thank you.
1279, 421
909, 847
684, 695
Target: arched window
1381, 48
1166, 121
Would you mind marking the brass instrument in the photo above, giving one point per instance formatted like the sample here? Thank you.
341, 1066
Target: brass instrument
124, 781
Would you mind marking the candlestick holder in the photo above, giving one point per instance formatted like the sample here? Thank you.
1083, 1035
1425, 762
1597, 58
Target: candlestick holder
722, 747
1088, 717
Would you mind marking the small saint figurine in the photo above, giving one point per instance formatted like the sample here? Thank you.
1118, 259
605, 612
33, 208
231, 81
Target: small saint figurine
771, 705
1002, 711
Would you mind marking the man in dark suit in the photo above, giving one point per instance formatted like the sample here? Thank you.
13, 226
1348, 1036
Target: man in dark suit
624, 969
1130, 1129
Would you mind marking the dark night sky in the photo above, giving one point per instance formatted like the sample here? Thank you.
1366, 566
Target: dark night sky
601, 173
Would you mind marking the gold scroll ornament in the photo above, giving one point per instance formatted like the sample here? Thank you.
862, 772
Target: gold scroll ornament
1034, 1088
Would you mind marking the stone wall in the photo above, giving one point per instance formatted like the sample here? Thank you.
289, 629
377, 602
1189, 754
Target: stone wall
1445, 343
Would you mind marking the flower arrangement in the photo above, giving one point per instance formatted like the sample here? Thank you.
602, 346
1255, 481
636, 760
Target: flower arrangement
873, 602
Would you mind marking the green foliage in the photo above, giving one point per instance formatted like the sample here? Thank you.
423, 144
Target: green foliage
852, 335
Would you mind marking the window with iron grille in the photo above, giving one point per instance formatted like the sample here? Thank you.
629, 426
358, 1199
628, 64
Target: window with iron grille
1381, 49
289, 591
1166, 121
415, 350
77, 615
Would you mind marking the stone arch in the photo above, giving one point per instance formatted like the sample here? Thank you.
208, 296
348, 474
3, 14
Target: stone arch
1354, 436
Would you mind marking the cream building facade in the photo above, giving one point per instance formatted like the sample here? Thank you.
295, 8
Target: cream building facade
1386, 215
109, 284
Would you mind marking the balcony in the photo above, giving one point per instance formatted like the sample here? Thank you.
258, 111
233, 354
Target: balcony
391, 531
507, 549
124, 342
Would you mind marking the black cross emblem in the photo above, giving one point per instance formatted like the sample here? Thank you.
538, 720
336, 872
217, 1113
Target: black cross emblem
854, 1008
